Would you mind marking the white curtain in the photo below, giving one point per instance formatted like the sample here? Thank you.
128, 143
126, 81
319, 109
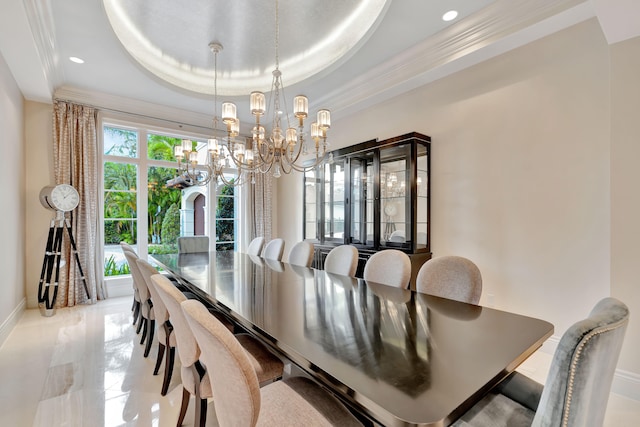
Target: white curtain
257, 221
75, 162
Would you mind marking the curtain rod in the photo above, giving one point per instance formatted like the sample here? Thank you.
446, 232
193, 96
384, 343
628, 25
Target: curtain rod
113, 110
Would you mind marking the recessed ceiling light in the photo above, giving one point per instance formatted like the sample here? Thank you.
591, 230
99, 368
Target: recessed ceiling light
450, 16
76, 60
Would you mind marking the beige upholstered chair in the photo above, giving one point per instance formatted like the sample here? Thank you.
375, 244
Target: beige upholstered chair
301, 254
255, 247
578, 383
273, 249
135, 308
238, 398
147, 317
166, 337
193, 244
389, 267
452, 277
343, 260
195, 379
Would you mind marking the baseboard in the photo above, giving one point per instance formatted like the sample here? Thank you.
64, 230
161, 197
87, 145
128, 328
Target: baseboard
11, 321
625, 383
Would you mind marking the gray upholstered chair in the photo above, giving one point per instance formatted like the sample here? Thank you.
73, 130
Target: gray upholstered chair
193, 244
452, 277
147, 317
388, 267
238, 398
255, 247
195, 378
301, 254
273, 249
166, 337
343, 260
578, 384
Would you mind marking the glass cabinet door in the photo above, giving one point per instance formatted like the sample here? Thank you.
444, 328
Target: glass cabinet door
334, 214
361, 199
395, 223
422, 195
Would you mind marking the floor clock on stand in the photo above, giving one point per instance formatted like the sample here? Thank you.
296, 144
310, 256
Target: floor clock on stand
61, 199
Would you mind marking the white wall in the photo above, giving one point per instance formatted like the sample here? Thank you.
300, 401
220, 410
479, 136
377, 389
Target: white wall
13, 201
520, 174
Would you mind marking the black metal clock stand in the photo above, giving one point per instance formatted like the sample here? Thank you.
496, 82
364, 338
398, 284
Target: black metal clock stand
51, 265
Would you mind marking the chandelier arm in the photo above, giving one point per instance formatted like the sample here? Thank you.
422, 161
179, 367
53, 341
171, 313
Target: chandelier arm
307, 168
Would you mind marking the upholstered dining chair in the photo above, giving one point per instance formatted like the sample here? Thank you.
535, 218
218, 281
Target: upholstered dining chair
578, 383
343, 260
273, 249
193, 244
452, 277
301, 254
135, 307
166, 337
255, 247
238, 398
195, 378
147, 317
388, 267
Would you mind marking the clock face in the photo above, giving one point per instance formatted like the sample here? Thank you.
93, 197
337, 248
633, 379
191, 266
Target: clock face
64, 197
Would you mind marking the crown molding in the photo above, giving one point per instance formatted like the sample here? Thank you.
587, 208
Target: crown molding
502, 26
40, 18
128, 106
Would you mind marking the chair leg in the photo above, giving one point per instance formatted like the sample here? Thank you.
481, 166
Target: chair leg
151, 329
168, 370
145, 326
136, 312
183, 408
159, 358
140, 323
201, 413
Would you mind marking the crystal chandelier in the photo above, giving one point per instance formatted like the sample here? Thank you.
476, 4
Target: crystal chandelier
278, 150
218, 156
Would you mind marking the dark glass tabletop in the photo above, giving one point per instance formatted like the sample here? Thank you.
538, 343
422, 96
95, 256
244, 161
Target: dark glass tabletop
401, 357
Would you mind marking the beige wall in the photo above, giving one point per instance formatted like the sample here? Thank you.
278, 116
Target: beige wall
520, 174
625, 189
39, 138
12, 198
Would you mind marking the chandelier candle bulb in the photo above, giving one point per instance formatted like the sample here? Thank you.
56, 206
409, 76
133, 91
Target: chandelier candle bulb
291, 136
300, 107
258, 103
187, 146
177, 152
229, 114
324, 119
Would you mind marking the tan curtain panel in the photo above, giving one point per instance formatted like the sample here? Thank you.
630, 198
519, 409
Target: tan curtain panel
75, 160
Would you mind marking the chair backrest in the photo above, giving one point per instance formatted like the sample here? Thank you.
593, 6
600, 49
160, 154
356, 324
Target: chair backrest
159, 309
255, 247
138, 281
188, 349
233, 378
301, 254
273, 249
193, 244
343, 260
452, 277
389, 267
126, 247
579, 381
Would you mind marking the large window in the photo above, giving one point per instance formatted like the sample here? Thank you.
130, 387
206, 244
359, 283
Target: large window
139, 208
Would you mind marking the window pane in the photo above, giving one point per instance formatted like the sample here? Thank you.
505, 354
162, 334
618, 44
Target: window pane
120, 142
163, 210
120, 214
225, 218
160, 147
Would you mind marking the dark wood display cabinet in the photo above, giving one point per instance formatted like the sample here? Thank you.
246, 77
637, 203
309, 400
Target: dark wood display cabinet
374, 196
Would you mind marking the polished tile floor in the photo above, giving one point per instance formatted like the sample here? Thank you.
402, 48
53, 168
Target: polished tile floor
84, 367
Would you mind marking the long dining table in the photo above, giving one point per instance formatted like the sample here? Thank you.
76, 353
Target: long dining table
398, 357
